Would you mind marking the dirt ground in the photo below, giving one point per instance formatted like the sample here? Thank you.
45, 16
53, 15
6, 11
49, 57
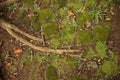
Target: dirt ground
9, 44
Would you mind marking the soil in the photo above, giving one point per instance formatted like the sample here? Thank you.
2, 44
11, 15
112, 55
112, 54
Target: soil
9, 45
115, 31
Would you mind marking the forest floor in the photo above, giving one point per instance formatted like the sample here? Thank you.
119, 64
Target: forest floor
31, 65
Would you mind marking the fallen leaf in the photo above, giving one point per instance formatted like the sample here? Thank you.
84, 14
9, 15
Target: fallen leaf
107, 19
0, 43
18, 51
71, 13
22, 65
112, 12
30, 15
8, 64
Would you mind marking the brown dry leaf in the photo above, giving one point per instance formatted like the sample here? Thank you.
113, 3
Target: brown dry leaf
8, 64
107, 19
22, 65
0, 43
112, 12
18, 51
71, 13
30, 15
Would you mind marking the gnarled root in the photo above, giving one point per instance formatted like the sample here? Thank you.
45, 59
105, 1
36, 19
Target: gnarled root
9, 28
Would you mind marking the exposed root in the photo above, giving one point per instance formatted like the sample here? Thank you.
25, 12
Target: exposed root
9, 28
4, 23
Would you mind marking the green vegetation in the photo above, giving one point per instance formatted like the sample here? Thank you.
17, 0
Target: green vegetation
101, 48
60, 22
13, 6
90, 54
109, 67
101, 32
64, 24
51, 73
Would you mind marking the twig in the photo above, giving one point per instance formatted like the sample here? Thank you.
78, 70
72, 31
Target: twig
3, 22
43, 37
7, 27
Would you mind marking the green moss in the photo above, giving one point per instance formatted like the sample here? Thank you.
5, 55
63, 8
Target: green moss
28, 3
101, 32
63, 12
75, 5
109, 67
82, 18
63, 63
68, 35
55, 4
74, 77
45, 15
33, 18
90, 54
85, 36
21, 15
27, 23
101, 48
62, 3
90, 3
55, 43
45, 2
51, 73
36, 27
50, 30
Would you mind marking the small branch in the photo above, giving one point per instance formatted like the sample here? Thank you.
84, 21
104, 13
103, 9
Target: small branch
43, 37
42, 49
6, 3
4, 23
8, 28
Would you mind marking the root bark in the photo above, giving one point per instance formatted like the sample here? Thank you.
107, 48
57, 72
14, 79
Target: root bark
11, 29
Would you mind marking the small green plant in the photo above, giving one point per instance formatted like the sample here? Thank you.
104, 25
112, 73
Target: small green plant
1, 13
5, 55
101, 48
13, 6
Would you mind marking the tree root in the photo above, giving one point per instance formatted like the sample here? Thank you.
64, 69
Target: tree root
13, 27
9, 28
